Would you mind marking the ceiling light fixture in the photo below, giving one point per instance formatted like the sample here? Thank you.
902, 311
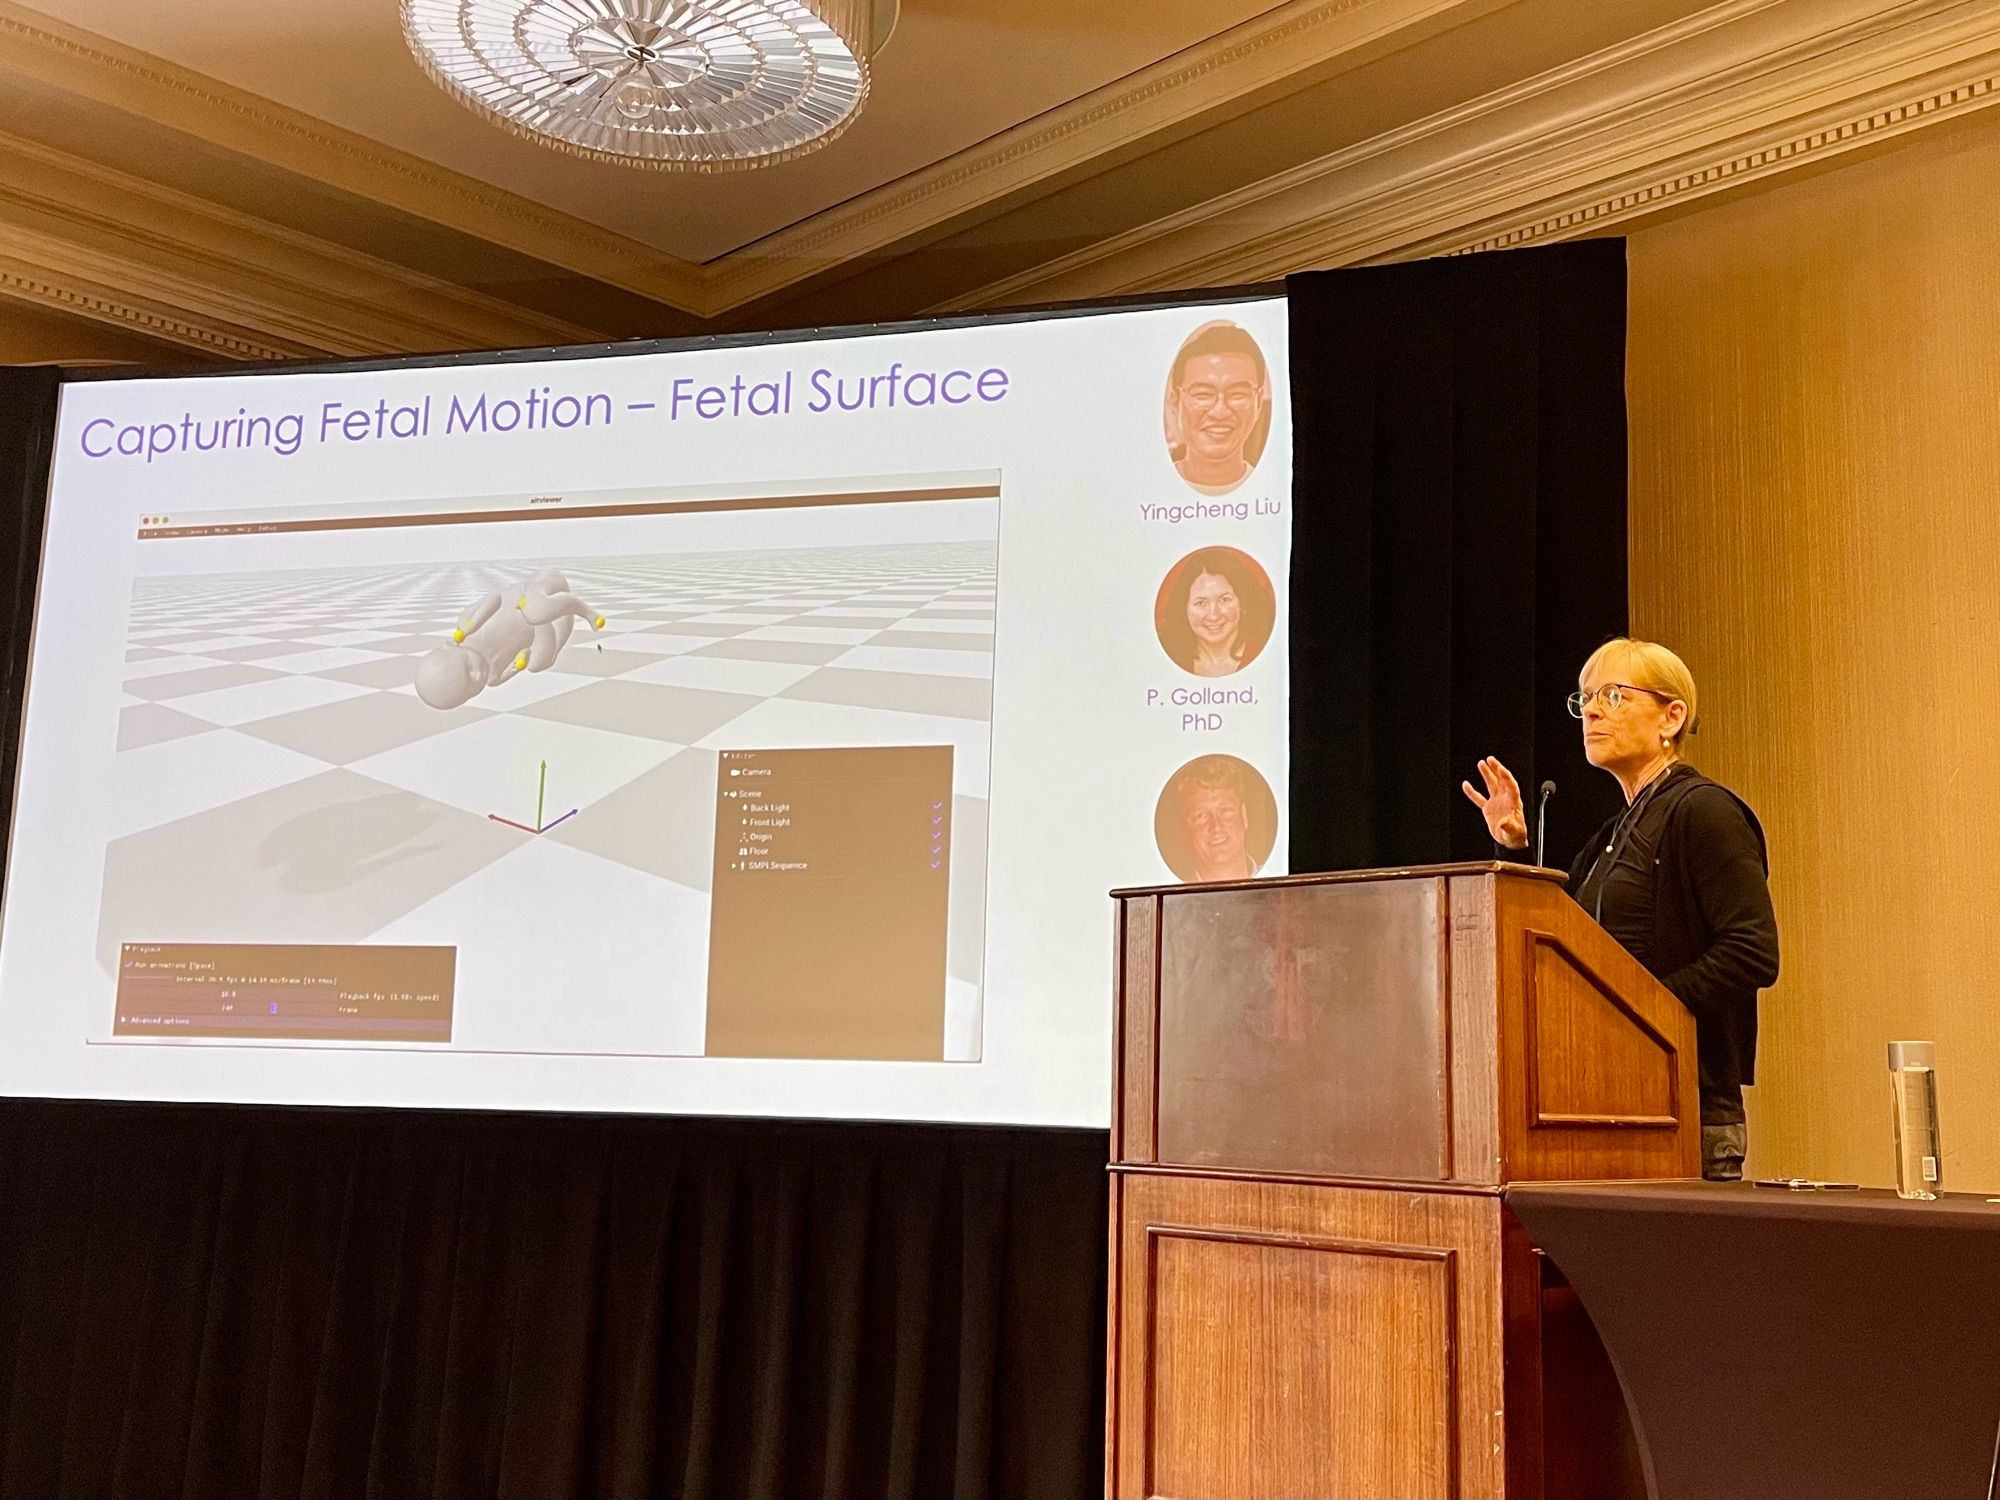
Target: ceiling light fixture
684, 85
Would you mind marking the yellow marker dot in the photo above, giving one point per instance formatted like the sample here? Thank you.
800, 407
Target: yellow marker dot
522, 602
458, 635
599, 622
521, 662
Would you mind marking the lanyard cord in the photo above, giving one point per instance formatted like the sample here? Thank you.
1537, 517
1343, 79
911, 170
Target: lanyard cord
1620, 833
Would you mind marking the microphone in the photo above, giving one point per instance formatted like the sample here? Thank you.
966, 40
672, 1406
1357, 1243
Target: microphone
1542, 821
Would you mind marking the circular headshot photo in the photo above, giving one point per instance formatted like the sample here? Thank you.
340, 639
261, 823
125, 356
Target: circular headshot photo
1215, 612
1216, 820
1218, 408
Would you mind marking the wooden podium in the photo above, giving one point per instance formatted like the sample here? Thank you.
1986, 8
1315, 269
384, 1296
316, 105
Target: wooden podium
1322, 1083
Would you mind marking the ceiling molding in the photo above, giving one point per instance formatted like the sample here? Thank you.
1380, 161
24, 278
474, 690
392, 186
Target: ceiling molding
226, 282
1733, 95
32, 281
1761, 161
93, 67
1296, 38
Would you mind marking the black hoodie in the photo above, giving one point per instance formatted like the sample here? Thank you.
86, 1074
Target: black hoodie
1713, 937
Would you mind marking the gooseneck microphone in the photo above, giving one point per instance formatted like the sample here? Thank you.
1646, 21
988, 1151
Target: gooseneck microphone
1542, 821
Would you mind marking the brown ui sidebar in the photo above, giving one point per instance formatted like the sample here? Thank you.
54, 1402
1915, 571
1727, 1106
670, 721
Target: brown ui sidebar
831, 903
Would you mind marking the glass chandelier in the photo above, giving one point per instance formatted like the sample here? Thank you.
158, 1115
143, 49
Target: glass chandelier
684, 85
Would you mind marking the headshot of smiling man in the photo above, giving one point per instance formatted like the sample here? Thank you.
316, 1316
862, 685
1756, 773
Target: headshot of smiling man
1215, 612
1218, 408
1216, 820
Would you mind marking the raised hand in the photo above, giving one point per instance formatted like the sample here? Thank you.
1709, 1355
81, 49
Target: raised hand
1506, 815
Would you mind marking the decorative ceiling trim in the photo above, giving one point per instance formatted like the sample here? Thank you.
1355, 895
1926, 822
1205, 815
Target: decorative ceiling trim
1718, 131
1759, 162
222, 269
1686, 112
31, 283
1294, 38
1300, 37
1729, 97
95, 68
225, 314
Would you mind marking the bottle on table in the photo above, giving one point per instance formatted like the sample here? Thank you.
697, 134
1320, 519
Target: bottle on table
1919, 1158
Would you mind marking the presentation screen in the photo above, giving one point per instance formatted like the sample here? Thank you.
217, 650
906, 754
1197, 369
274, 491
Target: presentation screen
746, 728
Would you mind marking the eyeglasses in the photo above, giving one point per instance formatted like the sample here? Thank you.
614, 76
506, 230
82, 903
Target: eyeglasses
1613, 695
1238, 397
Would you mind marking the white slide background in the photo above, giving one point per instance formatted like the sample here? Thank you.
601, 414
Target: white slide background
1092, 516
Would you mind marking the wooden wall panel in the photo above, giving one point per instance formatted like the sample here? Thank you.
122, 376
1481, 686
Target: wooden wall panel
1814, 378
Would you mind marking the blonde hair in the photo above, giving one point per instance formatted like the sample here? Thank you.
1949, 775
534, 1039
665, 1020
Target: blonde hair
1649, 665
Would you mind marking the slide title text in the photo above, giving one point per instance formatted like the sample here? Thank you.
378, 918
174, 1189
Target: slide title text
540, 408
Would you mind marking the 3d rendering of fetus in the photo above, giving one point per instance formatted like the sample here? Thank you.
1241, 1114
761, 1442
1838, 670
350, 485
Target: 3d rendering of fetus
493, 641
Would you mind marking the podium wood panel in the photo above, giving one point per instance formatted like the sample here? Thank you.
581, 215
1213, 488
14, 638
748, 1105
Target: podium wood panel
1594, 1061
1239, 1342
1465, 1024
1591, 1060
1322, 1084
1328, 999
1135, 1059
1286, 1339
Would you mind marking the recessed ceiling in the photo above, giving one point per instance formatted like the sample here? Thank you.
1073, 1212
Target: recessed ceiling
268, 178
956, 72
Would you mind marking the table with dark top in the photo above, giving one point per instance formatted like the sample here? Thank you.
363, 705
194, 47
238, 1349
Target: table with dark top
1775, 1342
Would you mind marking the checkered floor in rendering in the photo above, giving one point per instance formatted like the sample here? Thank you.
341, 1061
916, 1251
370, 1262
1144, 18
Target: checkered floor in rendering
278, 776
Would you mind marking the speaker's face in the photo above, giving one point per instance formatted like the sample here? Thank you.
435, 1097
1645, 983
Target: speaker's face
1625, 727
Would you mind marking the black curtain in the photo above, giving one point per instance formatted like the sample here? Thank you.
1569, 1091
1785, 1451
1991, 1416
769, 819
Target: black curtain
209, 1301
1459, 543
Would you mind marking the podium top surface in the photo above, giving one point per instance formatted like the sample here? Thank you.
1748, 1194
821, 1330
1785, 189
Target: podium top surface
1345, 877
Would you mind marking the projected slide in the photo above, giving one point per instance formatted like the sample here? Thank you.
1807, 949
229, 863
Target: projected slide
397, 755
711, 730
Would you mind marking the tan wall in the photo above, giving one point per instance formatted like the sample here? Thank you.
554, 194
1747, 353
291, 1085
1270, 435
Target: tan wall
1814, 379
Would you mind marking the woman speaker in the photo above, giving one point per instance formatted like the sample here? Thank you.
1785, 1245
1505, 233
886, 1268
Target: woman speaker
1678, 877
